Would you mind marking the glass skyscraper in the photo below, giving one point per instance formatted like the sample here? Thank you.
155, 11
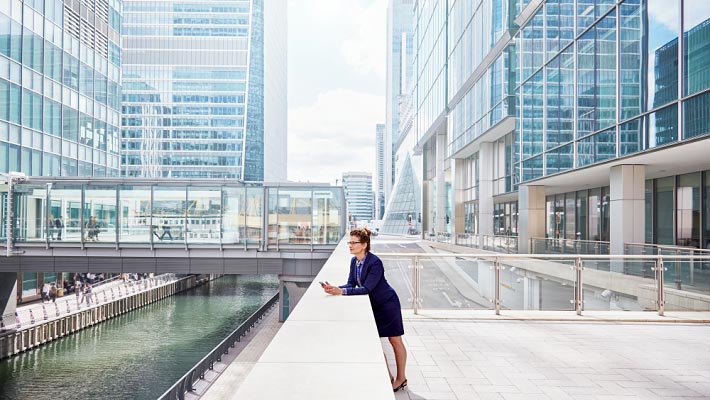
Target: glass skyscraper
399, 79
60, 68
358, 195
535, 118
194, 88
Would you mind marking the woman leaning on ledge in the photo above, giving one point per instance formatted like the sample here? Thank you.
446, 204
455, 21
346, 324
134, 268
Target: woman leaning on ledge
367, 276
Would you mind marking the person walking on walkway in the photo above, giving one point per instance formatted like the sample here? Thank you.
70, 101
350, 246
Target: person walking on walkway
367, 276
53, 292
77, 290
45, 293
166, 231
88, 294
58, 225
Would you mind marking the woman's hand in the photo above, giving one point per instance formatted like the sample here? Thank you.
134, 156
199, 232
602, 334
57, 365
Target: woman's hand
330, 289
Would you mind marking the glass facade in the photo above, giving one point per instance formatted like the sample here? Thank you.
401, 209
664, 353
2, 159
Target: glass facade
173, 212
404, 213
429, 64
606, 83
580, 215
584, 82
678, 210
60, 69
400, 42
193, 95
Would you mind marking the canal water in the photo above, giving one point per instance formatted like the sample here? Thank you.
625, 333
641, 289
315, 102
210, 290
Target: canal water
141, 354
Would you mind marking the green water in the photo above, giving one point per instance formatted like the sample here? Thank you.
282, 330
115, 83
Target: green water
141, 354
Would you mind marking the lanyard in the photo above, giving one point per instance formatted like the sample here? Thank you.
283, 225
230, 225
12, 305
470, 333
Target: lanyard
359, 265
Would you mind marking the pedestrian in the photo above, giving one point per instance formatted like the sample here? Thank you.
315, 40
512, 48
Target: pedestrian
45, 292
58, 225
77, 290
50, 226
166, 230
367, 277
88, 294
53, 292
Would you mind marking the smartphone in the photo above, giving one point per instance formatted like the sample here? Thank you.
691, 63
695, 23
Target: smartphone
322, 284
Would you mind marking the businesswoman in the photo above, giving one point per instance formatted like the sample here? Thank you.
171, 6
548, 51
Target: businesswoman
367, 276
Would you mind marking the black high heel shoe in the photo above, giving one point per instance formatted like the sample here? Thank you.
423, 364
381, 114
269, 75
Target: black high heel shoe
401, 386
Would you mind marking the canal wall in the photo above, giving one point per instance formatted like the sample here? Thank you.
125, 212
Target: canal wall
17, 341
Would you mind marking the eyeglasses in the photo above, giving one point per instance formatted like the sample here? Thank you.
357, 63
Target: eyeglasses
352, 243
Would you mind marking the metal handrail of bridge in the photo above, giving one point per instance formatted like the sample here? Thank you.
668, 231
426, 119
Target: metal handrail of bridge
186, 382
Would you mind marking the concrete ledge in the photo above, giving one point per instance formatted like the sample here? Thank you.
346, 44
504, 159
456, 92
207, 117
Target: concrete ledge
328, 347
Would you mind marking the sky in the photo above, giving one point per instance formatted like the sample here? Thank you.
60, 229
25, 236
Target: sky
336, 86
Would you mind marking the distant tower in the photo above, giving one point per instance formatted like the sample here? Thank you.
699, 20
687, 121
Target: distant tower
358, 195
380, 192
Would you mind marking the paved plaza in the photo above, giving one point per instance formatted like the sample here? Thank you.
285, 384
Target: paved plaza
534, 359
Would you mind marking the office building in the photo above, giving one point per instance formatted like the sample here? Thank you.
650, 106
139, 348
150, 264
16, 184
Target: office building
204, 91
358, 196
579, 120
60, 75
60, 65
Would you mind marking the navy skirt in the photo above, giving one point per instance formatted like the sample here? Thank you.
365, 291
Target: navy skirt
388, 317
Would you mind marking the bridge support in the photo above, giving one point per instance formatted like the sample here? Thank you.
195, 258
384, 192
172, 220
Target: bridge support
8, 297
291, 289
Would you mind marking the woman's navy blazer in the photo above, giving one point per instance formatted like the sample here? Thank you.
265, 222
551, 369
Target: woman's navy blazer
373, 280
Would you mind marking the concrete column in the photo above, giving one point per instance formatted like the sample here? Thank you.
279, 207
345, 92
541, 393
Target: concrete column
8, 296
627, 201
531, 211
532, 293
292, 289
485, 189
440, 183
458, 218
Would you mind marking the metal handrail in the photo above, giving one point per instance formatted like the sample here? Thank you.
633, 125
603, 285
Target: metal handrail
575, 246
571, 240
670, 247
549, 256
185, 383
657, 270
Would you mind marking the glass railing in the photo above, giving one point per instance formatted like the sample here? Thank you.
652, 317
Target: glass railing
497, 243
567, 246
691, 273
166, 212
545, 282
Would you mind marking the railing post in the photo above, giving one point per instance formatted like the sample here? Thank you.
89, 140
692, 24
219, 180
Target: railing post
415, 289
661, 294
578, 290
497, 269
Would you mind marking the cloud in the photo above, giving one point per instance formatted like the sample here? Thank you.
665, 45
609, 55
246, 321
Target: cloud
366, 49
334, 134
667, 13
354, 30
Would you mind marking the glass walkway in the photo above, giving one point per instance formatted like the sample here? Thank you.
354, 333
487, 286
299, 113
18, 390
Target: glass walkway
131, 212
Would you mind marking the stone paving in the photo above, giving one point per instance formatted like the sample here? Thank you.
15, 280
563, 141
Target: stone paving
508, 359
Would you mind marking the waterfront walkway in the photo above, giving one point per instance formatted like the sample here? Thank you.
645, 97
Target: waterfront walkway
36, 313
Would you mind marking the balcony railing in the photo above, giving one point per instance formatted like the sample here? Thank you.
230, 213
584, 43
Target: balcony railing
550, 282
497, 243
567, 246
